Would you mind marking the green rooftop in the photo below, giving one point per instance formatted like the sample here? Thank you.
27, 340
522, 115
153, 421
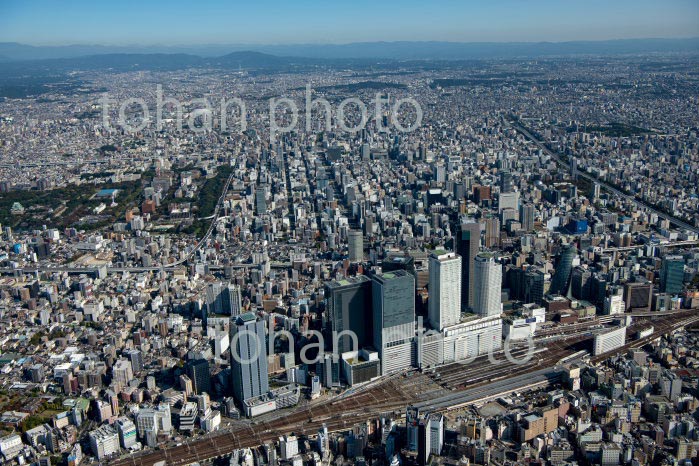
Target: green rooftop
247, 317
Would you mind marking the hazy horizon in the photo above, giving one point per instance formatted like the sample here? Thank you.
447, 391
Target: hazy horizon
330, 43
305, 22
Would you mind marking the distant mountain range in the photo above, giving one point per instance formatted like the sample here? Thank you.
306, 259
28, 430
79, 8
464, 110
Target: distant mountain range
16, 69
361, 50
31, 71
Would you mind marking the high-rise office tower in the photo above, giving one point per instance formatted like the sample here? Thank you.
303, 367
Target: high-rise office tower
369, 222
492, 232
214, 298
260, 200
564, 267
355, 239
248, 357
122, 372
412, 417
348, 306
598, 289
393, 298
468, 241
506, 185
672, 275
573, 167
200, 375
328, 369
580, 283
223, 299
487, 286
136, 359
637, 295
436, 433
427, 433
509, 201
235, 300
323, 441
127, 432
526, 217
439, 173
423, 441
444, 306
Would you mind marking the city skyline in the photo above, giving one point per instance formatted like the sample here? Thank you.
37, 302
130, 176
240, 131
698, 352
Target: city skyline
417, 237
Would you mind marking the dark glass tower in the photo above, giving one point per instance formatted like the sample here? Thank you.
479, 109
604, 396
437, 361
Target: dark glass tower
564, 267
468, 242
506, 185
348, 304
672, 275
199, 373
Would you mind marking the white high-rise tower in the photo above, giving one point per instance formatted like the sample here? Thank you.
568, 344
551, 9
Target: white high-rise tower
487, 286
444, 307
356, 245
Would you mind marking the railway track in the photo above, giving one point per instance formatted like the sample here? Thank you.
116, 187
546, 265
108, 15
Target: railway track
335, 414
466, 384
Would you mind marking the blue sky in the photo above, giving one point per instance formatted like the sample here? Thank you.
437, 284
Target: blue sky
176, 22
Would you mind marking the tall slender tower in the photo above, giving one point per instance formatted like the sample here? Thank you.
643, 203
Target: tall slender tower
393, 304
444, 307
248, 357
487, 286
561, 276
506, 184
260, 200
200, 375
467, 245
672, 275
492, 232
355, 239
526, 216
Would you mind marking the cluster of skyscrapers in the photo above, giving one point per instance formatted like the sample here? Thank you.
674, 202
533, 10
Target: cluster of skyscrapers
463, 310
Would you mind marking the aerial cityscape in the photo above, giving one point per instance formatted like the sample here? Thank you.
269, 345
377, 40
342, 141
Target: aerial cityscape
407, 234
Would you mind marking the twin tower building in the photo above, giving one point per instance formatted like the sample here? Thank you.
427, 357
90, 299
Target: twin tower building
464, 309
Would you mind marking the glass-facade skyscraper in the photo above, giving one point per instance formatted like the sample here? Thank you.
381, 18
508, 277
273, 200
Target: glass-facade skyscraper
564, 268
248, 357
468, 241
672, 275
348, 306
200, 374
393, 298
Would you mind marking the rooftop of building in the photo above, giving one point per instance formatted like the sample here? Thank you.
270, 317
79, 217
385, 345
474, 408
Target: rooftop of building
246, 317
348, 281
286, 390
